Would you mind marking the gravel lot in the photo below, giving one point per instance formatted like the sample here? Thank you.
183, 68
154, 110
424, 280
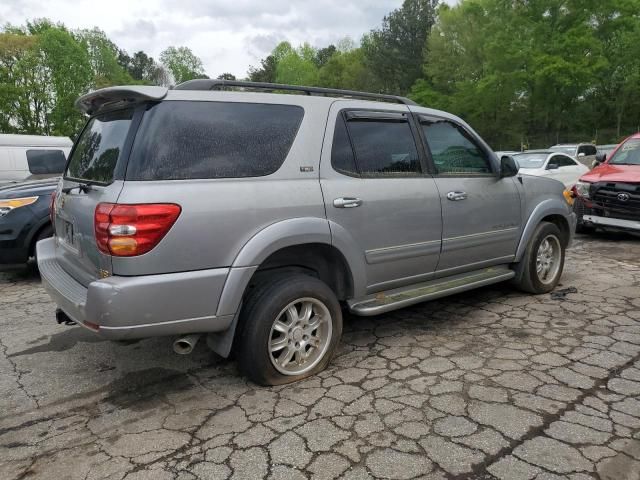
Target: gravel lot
487, 384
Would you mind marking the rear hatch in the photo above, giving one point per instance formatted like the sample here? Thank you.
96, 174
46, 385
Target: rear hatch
94, 174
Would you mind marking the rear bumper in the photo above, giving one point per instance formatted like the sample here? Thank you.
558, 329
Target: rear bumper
631, 225
137, 307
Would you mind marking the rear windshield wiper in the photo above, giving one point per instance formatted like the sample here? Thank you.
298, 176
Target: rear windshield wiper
82, 188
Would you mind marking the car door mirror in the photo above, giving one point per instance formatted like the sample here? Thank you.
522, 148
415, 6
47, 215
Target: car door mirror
581, 154
601, 157
508, 167
553, 166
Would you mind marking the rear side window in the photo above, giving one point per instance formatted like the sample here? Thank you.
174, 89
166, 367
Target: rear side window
374, 144
98, 149
453, 150
180, 140
46, 162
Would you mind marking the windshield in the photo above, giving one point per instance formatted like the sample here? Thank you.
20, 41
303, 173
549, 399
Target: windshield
95, 155
530, 160
627, 154
568, 149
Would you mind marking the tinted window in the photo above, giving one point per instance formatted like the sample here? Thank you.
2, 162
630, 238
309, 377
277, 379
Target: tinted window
384, 147
342, 157
42, 162
562, 161
587, 150
453, 150
99, 147
184, 140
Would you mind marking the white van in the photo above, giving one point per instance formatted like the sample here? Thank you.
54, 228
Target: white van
25, 157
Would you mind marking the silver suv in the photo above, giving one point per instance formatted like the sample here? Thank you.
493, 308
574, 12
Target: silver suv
256, 217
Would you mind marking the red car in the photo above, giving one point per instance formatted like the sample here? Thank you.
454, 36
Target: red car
609, 195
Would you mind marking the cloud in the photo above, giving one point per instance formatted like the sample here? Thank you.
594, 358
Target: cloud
227, 36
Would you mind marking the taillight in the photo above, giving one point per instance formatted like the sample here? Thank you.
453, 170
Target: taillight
52, 210
124, 230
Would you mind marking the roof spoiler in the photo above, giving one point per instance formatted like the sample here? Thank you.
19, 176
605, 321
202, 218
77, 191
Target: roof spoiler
113, 96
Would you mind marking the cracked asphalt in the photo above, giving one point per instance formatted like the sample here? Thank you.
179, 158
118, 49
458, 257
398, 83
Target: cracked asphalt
488, 384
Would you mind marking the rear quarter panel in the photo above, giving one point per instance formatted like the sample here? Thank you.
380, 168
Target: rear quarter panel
220, 216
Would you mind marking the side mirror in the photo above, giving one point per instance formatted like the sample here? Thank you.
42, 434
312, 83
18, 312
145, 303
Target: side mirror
581, 154
601, 157
553, 166
508, 167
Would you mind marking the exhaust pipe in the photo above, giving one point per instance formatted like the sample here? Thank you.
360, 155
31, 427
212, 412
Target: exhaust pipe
185, 345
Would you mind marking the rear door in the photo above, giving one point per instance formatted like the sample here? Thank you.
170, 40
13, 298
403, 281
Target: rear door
93, 175
378, 196
480, 211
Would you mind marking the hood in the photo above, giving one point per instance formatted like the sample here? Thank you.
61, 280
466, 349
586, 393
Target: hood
26, 189
613, 173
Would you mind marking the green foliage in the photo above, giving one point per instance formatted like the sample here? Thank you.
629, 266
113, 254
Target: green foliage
395, 51
182, 63
296, 66
536, 72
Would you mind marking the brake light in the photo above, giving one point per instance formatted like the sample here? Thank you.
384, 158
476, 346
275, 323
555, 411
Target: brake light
128, 230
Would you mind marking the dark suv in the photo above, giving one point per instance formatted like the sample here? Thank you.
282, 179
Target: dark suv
24, 218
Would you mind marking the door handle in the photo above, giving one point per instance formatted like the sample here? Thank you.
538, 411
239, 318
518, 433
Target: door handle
456, 196
347, 202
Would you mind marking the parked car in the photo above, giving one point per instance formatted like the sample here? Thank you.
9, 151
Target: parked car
608, 196
585, 153
256, 234
545, 163
32, 157
24, 218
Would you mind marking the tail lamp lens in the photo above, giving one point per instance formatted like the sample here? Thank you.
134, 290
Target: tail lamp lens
128, 230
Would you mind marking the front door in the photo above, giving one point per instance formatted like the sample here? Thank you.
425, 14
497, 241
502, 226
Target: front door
480, 211
377, 195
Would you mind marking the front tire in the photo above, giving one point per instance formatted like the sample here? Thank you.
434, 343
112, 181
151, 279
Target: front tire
290, 328
543, 261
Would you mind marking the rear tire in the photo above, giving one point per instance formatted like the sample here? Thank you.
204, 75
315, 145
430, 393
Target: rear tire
290, 328
543, 261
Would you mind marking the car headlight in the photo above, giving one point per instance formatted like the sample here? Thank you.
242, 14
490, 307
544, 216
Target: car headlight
582, 189
6, 205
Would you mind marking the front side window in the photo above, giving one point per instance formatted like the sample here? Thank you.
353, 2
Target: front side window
627, 154
562, 161
98, 149
46, 162
453, 150
384, 147
179, 140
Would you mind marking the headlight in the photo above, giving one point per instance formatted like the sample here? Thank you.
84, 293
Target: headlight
6, 205
582, 189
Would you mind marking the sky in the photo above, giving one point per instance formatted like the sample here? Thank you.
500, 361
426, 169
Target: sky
228, 36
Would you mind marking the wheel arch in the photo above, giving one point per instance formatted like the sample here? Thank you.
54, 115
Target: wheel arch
550, 210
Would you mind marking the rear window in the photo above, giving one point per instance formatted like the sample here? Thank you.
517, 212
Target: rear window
46, 162
180, 140
96, 154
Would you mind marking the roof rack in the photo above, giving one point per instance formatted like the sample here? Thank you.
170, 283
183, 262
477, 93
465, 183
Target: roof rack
210, 84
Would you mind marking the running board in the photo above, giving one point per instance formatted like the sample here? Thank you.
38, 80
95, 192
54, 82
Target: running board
382, 302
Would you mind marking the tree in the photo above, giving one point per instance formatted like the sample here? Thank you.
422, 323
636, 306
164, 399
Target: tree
394, 53
227, 76
43, 70
183, 63
104, 59
266, 72
296, 66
